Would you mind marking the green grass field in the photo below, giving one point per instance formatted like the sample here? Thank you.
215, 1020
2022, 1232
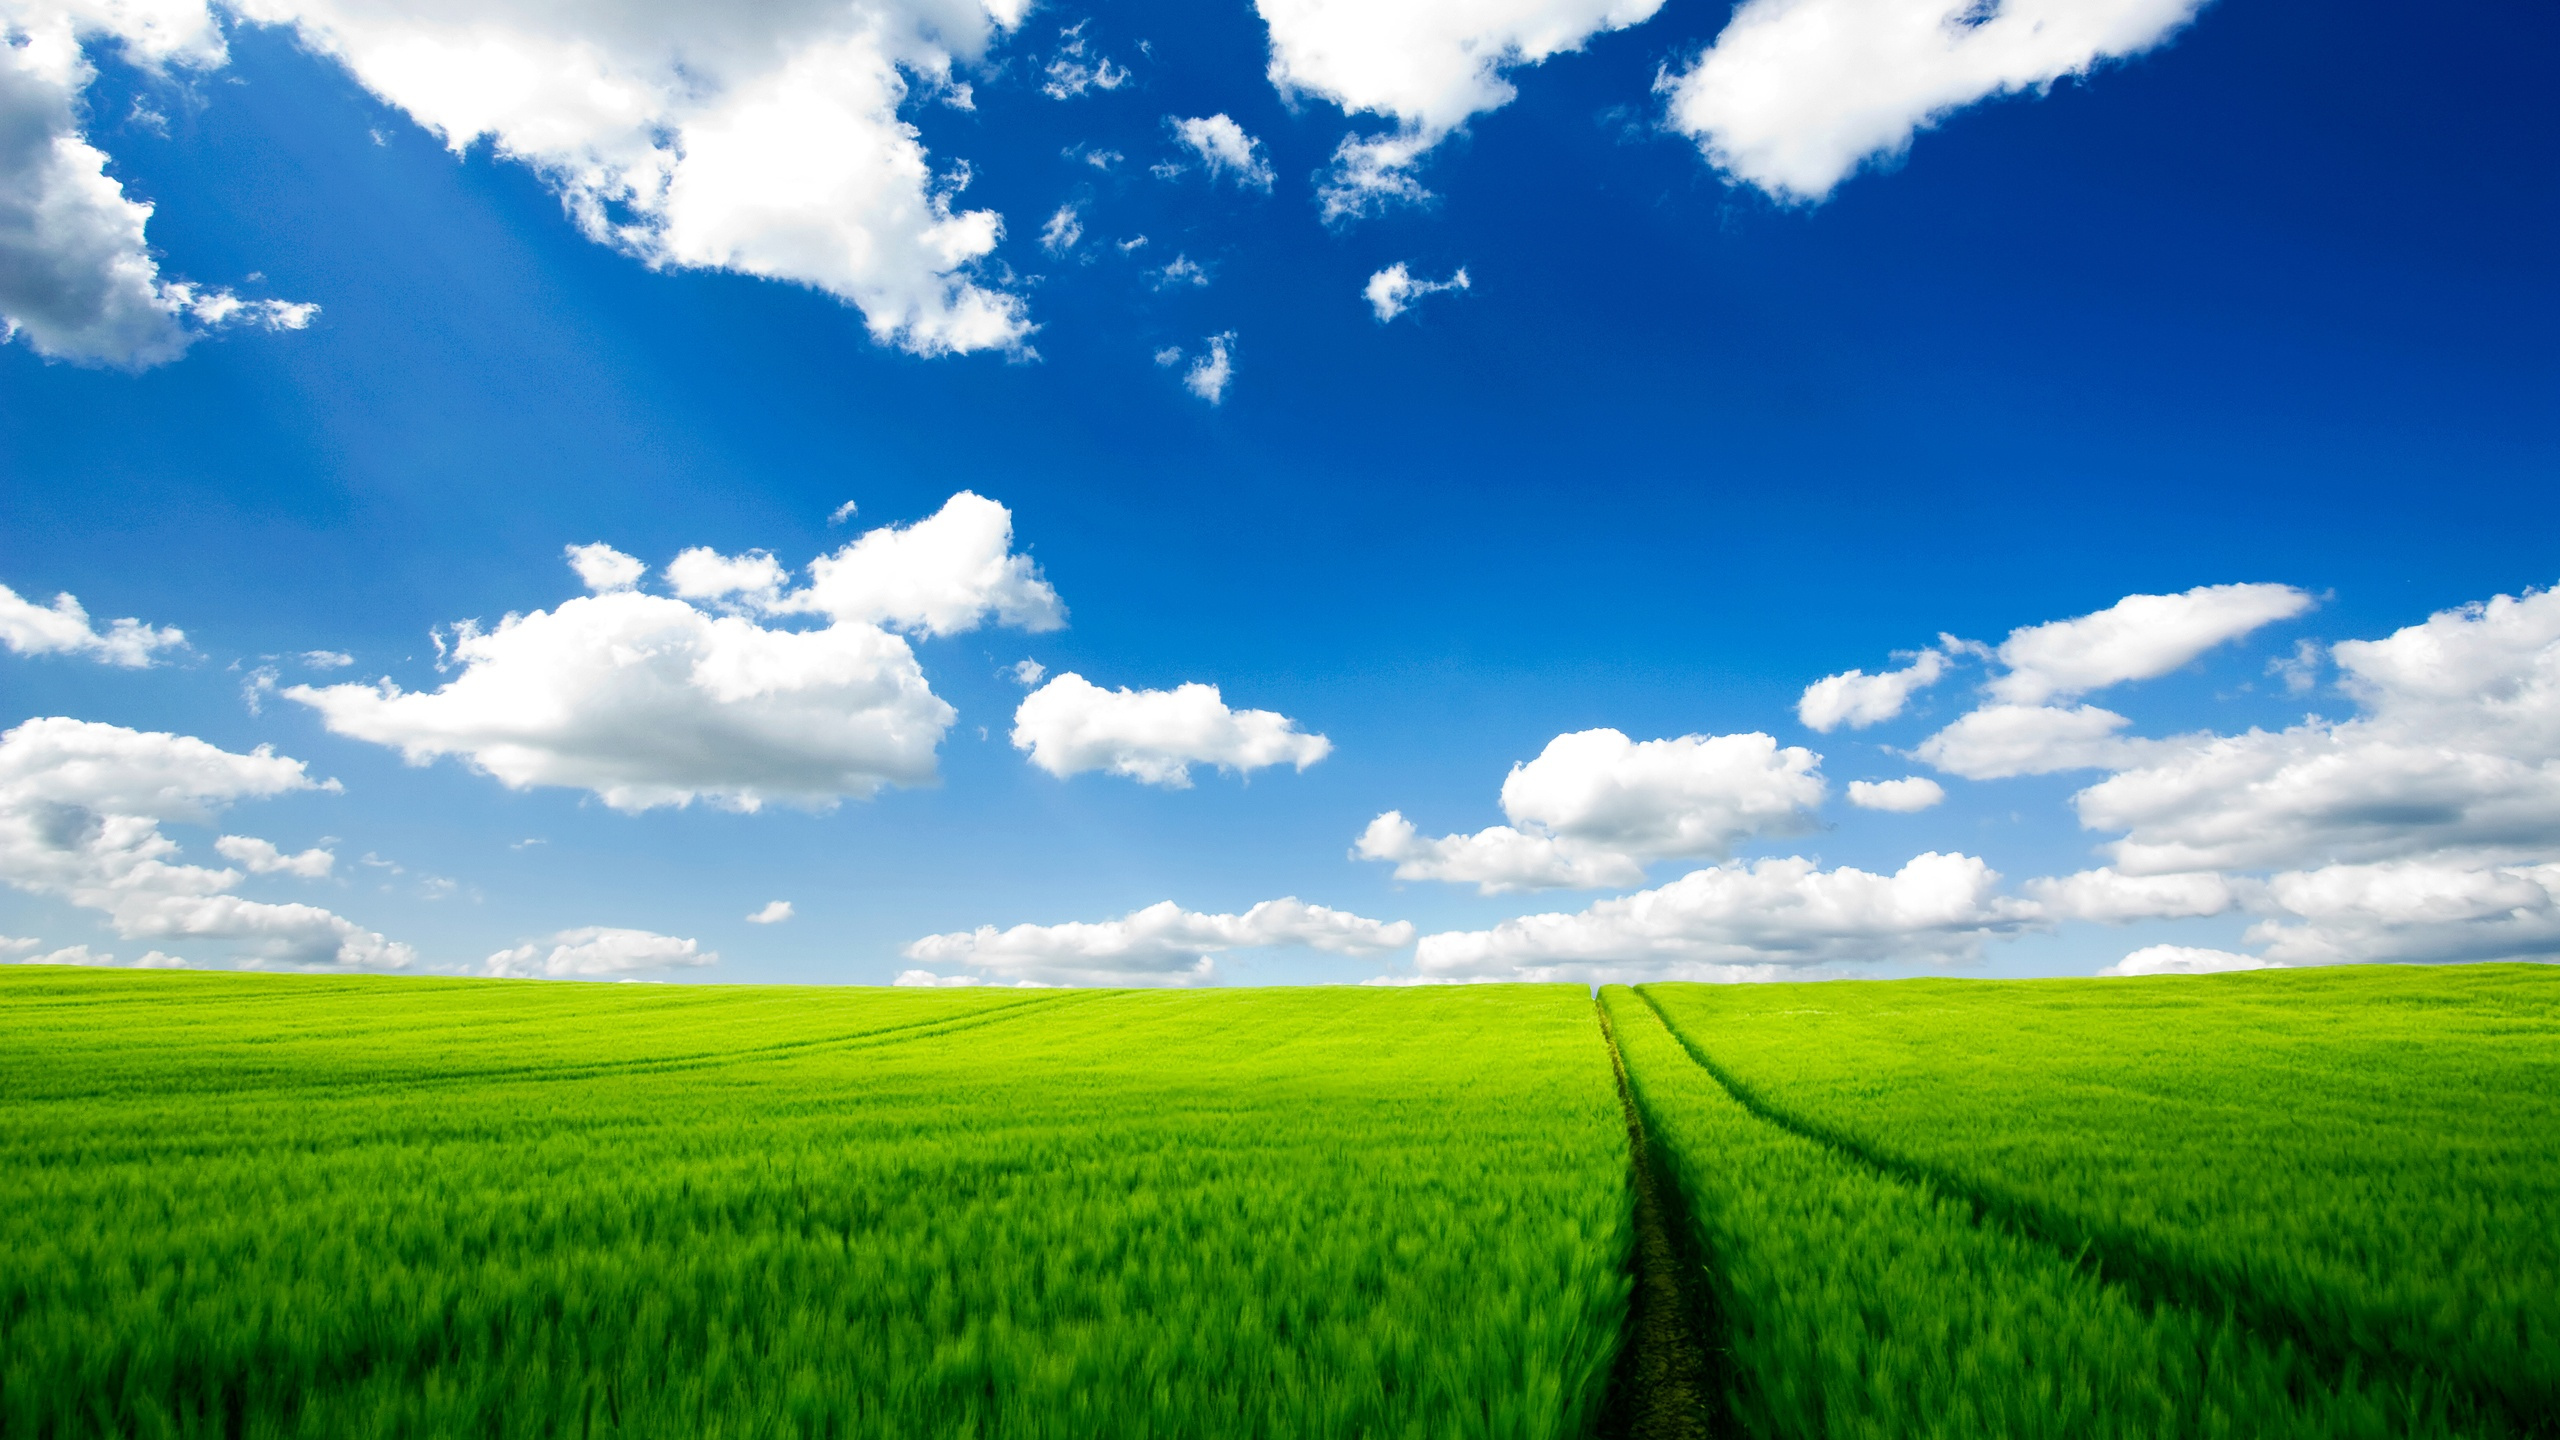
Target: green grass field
2314, 1203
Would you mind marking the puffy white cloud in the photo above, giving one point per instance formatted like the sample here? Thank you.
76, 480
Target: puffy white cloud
648, 700
81, 805
1026, 673
760, 139
1857, 699
2110, 898
1393, 291
1998, 741
1208, 375
703, 573
1426, 65
598, 952
774, 913
2422, 910
2182, 960
1224, 149
1072, 725
1742, 920
78, 280
83, 955
2456, 751
603, 569
1907, 796
326, 659
1495, 860
1181, 270
261, 857
1162, 944
2140, 637
946, 573
1795, 95
64, 629
1595, 805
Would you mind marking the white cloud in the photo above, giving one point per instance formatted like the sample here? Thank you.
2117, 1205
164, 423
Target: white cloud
81, 805
760, 139
2422, 910
78, 280
2113, 899
1907, 796
2140, 637
1162, 944
261, 857
603, 569
1208, 375
65, 629
843, 512
1999, 741
2182, 960
1224, 149
1026, 673
2456, 750
774, 913
648, 700
703, 573
1072, 725
1746, 921
326, 659
1858, 699
946, 573
1062, 232
83, 955
1795, 95
1183, 270
1393, 291
1426, 65
1595, 805
598, 952
1078, 68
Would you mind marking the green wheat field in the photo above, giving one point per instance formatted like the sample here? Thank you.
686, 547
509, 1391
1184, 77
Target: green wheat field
2317, 1203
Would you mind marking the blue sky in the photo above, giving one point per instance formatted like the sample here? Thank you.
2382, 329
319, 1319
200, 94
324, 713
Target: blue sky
2266, 301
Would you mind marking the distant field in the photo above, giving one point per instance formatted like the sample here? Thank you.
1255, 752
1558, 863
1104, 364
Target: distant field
2311, 1203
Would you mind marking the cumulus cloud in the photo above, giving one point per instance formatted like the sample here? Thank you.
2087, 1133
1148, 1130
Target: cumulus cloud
651, 700
261, 857
2140, 637
1795, 95
598, 952
774, 913
2456, 748
1208, 375
1425, 65
1224, 150
1907, 796
78, 280
1746, 921
326, 659
1071, 725
1857, 699
603, 569
1162, 944
83, 955
1999, 741
1595, 806
763, 140
2113, 899
1394, 290
65, 629
2182, 960
81, 806
2424, 910
1064, 229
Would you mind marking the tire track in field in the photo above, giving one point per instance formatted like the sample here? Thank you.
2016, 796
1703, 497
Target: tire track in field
2149, 1274
1669, 1379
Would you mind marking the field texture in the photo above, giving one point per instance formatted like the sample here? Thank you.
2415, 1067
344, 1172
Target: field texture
250, 1206
2364, 1162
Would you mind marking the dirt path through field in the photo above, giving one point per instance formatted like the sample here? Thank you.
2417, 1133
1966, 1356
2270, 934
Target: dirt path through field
1668, 1383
